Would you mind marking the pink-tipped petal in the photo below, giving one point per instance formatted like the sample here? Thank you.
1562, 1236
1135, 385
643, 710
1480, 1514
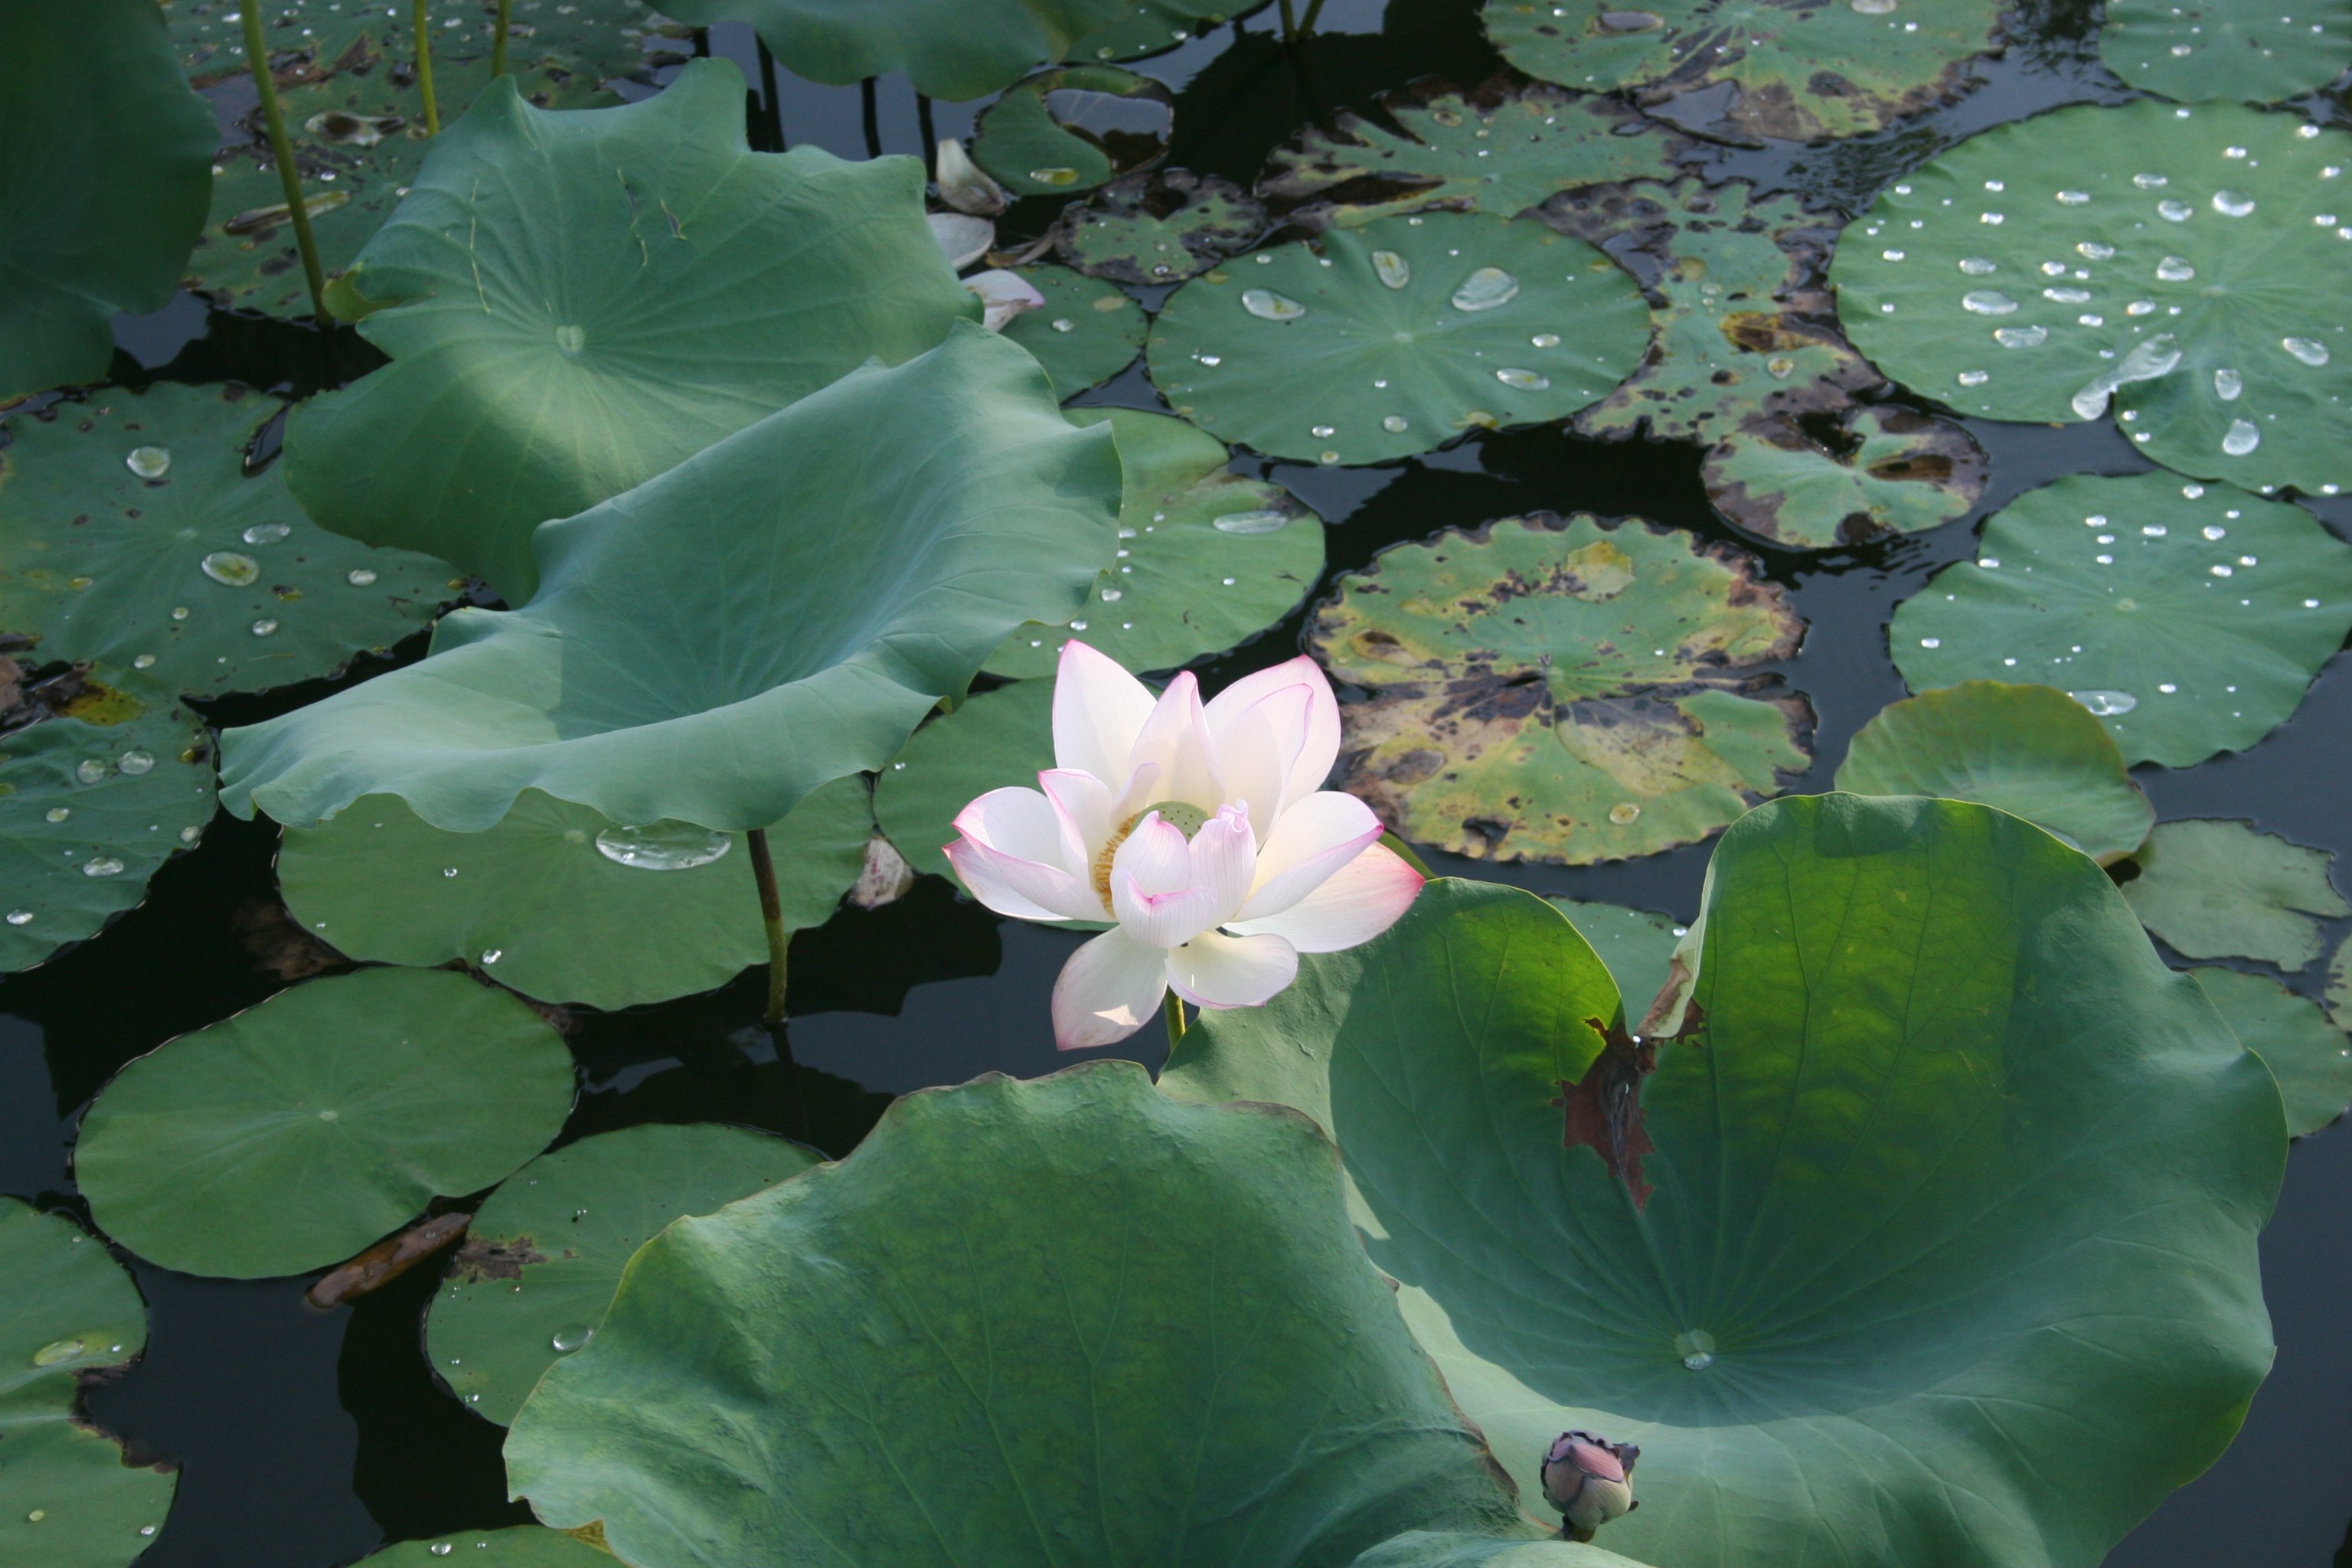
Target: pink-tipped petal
1160, 920
1321, 746
1355, 904
1025, 889
1214, 970
1256, 751
1224, 859
1109, 989
1017, 822
1176, 737
1099, 710
1314, 837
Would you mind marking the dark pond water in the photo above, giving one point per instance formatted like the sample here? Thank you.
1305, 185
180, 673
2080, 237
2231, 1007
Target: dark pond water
307, 1439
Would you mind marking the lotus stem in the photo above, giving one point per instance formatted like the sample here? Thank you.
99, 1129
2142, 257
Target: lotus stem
870, 102
1175, 1010
499, 38
273, 121
769, 93
1314, 9
425, 69
1289, 22
772, 914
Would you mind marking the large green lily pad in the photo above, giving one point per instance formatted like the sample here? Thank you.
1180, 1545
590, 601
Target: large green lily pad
2189, 617
2254, 51
998, 738
299, 1131
103, 779
2218, 888
1205, 559
823, 584
1563, 690
544, 1253
576, 301
69, 1497
1073, 128
1149, 1335
1084, 333
2310, 1058
103, 187
1761, 1253
2031, 751
949, 48
1160, 228
1824, 481
1365, 344
131, 535
559, 903
2151, 259
1797, 70
521, 1546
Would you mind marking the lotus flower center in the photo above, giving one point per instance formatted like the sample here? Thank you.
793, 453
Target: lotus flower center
1186, 819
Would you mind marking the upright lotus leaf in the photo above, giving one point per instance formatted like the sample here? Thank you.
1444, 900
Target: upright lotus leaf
1765, 1254
545, 1252
2217, 889
2255, 52
1421, 1549
520, 1546
299, 1131
1366, 344
1821, 481
1087, 331
576, 301
826, 578
1500, 148
103, 187
1745, 326
1149, 1335
2308, 1056
2151, 259
1796, 69
1572, 691
130, 534
954, 50
559, 902
1205, 559
1151, 26
96, 792
2031, 751
69, 1497
2188, 618
998, 738
1637, 946
1160, 228
1073, 128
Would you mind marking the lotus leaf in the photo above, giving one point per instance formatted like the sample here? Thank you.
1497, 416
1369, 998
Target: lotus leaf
2217, 889
576, 301
103, 187
1420, 1549
1795, 69
545, 1252
521, 1546
823, 584
1365, 344
1637, 947
2101, 256
1501, 149
94, 798
1563, 690
133, 536
1763, 1253
1086, 332
318, 40
2189, 619
1819, 482
1205, 559
1160, 228
2031, 751
998, 738
1073, 128
69, 1497
2339, 985
299, 1131
542, 903
1149, 1335
2250, 50
1151, 26
2307, 1055
954, 50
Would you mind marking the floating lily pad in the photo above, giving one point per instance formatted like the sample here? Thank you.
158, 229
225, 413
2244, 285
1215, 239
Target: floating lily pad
1365, 344
2100, 256
2339, 985
776, 658
522, 1546
954, 50
93, 798
1086, 332
1421, 1549
1073, 128
2031, 751
2310, 1058
133, 537
559, 903
69, 1497
1797, 70
1636, 945
2254, 51
1829, 480
1688, 1243
997, 738
1160, 228
1501, 148
544, 1253
103, 187
297, 1131
2217, 889
1149, 26
1563, 690
1205, 559
318, 40
889, 1307
2189, 619
530, 382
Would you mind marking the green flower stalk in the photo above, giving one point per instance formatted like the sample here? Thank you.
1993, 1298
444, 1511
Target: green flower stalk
425, 70
281, 151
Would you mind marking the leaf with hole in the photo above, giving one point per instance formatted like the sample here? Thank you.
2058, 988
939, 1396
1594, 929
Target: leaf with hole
1084, 333
2212, 888
1637, 947
1821, 481
1072, 128
2310, 1058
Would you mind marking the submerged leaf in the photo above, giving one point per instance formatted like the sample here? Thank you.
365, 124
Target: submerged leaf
2217, 889
1818, 482
2310, 1058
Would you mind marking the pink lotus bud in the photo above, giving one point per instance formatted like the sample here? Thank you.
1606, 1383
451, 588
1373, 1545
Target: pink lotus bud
1591, 1480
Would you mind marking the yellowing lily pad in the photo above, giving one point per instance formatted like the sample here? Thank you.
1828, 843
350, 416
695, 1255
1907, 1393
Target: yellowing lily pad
1817, 482
1160, 228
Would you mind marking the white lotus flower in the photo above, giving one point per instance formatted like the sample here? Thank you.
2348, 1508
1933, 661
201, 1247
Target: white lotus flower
1202, 830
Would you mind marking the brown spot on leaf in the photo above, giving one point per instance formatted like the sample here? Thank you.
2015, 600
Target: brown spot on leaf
483, 1258
1602, 1109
